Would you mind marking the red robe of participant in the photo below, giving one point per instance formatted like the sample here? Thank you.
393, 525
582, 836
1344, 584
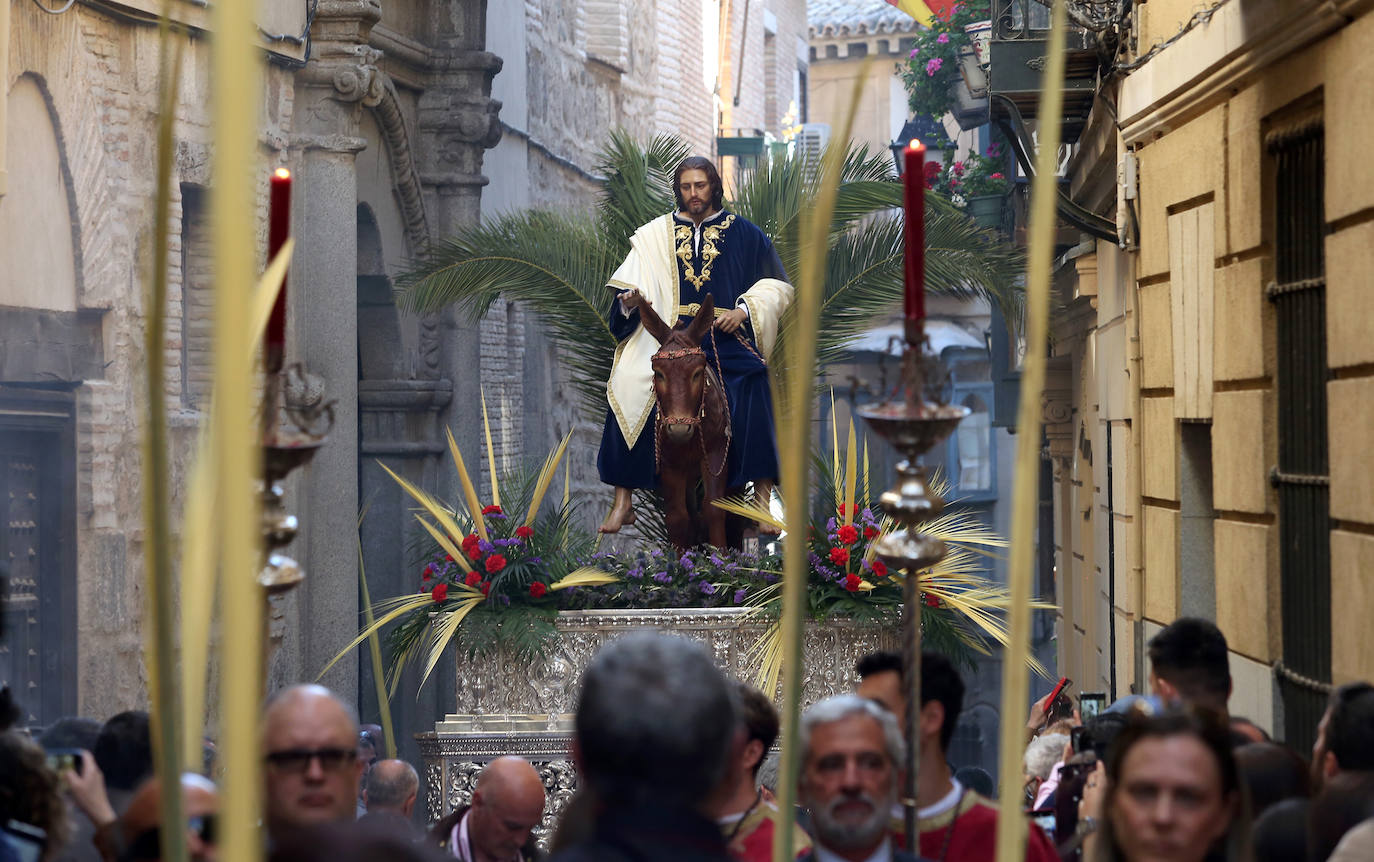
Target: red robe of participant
974, 835
751, 839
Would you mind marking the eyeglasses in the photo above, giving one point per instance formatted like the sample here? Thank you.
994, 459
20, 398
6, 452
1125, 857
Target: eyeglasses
298, 759
148, 843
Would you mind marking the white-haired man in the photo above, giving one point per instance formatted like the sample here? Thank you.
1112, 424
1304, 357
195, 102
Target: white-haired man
851, 754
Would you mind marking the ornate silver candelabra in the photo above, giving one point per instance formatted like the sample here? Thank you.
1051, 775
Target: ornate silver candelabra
913, 426
291, 437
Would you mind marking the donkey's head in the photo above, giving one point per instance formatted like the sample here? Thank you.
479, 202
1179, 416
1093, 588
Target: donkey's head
680, 375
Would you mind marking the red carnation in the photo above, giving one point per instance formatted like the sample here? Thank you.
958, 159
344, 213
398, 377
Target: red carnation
429, 571
870, 532
849, 534
448, 558
440, 592
839, 556
932, 601
851, 583
537, 589
495, 563
492, 510
879, 568
932, 174
524, 532
472, 579
486, 588
472, 545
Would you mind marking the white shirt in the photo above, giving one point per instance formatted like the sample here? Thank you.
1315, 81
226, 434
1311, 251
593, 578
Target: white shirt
458, 843
946, 803
882, 854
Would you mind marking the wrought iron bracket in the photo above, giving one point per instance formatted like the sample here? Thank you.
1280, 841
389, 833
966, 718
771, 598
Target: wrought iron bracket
1014, 127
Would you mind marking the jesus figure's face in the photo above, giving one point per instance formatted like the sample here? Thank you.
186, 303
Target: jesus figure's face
695, 191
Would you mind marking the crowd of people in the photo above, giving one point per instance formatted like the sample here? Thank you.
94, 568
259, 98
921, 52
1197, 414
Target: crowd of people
674, 764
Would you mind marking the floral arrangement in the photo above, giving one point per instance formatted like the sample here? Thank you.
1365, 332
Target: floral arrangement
491, 579
932, 66
973, 176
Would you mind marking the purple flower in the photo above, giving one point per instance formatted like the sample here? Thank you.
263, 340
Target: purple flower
933, 65
914, 52
487, 547
716, 560
687, 563
830, 525
506, 543
707, 588
663, 577
739, 596
943, 38
497, 515
536, 559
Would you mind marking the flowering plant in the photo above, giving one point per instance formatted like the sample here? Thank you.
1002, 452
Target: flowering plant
931, 68
972, 176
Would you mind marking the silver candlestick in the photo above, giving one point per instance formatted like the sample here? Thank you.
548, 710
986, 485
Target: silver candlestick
913, 426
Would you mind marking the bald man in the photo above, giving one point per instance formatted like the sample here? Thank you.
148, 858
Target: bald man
199, 802
507, 804
310, 741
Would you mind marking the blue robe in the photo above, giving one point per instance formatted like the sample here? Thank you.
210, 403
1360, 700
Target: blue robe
724, 270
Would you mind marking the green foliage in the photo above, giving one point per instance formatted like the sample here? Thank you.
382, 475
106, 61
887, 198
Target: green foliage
974, 175
931, 69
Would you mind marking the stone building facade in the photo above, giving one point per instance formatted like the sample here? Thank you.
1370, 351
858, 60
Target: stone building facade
1211, 389
383, 116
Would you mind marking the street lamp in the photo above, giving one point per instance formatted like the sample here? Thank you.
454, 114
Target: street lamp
925, 129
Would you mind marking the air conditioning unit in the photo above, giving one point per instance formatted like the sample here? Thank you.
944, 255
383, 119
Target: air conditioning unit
811, 142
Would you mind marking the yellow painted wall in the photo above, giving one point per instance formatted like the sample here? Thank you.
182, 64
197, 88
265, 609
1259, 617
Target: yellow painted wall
1217, 154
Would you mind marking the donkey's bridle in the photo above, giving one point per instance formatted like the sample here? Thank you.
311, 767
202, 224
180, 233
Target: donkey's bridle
680, 353
690, 421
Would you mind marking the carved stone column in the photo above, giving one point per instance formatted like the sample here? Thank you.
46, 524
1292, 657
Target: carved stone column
331, 93
458, 122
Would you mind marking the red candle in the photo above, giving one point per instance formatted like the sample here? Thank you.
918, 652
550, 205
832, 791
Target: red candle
914, 197
278, 229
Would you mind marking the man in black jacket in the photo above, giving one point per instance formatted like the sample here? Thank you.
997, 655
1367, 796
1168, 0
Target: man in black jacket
655, 725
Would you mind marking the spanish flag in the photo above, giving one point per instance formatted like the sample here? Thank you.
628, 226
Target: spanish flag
924, 11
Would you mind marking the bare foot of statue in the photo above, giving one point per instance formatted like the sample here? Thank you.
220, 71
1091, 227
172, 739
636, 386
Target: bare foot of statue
622, 512
763, 495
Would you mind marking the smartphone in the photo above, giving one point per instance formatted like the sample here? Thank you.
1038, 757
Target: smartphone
1091, 704
62, 759
1077, 736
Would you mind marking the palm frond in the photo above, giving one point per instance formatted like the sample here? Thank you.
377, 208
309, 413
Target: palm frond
587, 576
556, 266
638, 185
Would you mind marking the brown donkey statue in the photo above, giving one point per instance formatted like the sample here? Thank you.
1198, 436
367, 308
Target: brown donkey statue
692, 433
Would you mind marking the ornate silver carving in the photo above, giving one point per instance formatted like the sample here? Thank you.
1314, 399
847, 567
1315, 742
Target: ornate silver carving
499, 691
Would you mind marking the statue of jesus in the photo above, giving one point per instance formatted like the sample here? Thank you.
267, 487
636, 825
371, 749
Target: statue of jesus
675, 261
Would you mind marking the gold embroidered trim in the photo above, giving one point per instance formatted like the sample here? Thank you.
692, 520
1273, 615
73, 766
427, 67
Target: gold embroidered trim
709, 237
693, 309
637, 426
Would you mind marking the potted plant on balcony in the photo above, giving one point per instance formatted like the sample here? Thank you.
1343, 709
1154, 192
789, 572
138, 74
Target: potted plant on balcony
978, 184
943, 72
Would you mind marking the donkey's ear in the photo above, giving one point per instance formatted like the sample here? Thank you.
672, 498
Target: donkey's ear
701, 324
653, 323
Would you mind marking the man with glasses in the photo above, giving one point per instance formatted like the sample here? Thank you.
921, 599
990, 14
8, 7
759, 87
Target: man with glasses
312, 768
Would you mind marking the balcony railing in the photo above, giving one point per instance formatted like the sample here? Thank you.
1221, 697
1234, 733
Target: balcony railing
1020, 37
